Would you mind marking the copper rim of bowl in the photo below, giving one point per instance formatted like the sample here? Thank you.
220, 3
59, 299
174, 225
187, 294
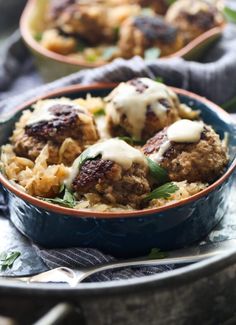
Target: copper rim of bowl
32, 43
137, 213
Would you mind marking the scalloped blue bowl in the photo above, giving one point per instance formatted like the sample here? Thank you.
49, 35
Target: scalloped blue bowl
124, 234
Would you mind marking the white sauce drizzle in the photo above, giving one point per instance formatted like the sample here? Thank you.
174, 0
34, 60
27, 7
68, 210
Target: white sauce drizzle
158, 156
42, 112
185, 131
125, 99
115, 150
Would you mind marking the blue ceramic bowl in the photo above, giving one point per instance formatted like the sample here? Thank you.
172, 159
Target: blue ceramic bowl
125, 234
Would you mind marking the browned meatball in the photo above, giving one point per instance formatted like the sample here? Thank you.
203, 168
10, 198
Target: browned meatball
202, 161
111, 183
67, 132
194, 17
141, 107
95, 22
140, 33
116, 173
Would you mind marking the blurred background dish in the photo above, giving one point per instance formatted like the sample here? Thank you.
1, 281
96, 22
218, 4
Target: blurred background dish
70, 35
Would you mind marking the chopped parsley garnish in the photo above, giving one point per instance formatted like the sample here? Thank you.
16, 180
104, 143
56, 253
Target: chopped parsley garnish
156, 253
67, 200
8, 259
159, 79
99, 112
158, 173
230, 14
131, 141
163, 191
87, 155
38, 36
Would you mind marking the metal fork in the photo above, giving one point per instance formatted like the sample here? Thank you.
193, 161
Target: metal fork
180, 256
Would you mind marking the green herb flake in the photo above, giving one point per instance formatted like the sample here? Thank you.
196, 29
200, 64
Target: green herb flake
99, 112
156, 253
163, 191
87, 155
80, 46
68, 200
170, 2
91, 58
131, 141
8, 259
159, 79
152, 53
230, 14
158, 173
38, 36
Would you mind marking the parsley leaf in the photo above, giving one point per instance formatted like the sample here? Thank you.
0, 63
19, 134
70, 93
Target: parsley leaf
68, 200
159, 79
87, 155
8, 259
170, 2
230, 14
131, 141
99, 112
163, 191
157, 172
156, 253
38, 36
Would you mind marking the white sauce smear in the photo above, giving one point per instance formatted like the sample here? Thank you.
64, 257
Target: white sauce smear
42, 110
115, 150
185, 131
126, 100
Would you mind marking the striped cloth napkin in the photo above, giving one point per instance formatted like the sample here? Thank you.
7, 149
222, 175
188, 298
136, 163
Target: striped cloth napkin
214, 77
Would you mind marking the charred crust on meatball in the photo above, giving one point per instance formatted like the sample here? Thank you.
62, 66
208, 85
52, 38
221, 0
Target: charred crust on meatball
155, 28
111, 183
202, 161
204, 20
90, 173
65, 119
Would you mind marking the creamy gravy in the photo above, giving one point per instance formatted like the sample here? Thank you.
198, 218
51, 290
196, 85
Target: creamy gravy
185, 131
42, 110
115, 150
126, 100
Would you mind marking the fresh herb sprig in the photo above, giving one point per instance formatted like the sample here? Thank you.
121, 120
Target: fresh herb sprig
87, 155
68, 200
230, 14
99, 112
8, 259
131, 141
163, 191
156, 253
158, 173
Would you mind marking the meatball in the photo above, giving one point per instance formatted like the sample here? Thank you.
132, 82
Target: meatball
200, 161
140, 33
118, 175
194, 17
95, 23
65, 127
141, 107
